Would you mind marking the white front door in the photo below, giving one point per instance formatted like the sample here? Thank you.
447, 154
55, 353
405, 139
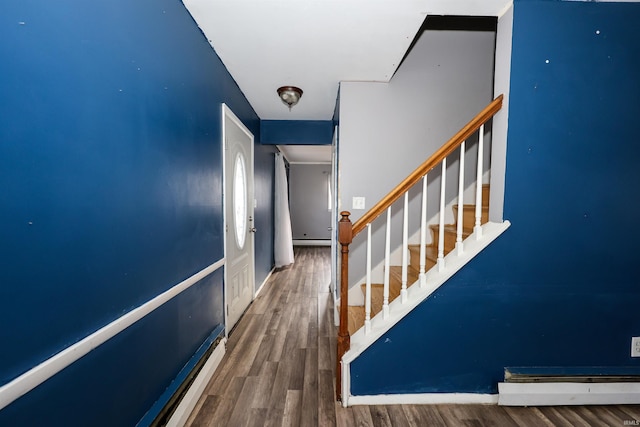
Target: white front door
238, 207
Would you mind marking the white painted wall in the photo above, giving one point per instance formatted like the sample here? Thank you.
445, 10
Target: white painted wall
387, 130
308, 198
501, 86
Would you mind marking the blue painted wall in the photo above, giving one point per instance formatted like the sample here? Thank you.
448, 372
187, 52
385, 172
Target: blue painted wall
560, 287
110, 194
297, 132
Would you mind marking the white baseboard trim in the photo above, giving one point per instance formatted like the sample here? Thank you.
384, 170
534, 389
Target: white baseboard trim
190, 399
425, 399
551, 394
312, 242
264, 282
35, 376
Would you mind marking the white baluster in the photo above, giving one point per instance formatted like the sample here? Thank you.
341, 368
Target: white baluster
460, 219
423, 235
443, 181
367, 293
405, 248
477, 229
387, 256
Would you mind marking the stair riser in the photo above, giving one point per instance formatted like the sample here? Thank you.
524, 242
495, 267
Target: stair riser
414, 259
449, 239
469, 216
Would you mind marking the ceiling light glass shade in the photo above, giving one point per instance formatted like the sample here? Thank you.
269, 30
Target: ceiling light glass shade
290, 95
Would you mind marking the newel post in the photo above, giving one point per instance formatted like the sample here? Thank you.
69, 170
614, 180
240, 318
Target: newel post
345, 236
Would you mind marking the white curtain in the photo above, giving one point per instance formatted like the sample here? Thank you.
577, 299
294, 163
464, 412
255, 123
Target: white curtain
283, 240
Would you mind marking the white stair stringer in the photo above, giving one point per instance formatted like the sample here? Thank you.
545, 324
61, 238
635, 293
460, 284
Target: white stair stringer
397, 310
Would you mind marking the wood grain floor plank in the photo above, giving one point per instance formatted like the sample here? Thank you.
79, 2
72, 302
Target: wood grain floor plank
205, 411
380, 416
344, 416
324, 323
274, 321
455, 415
554, 416
614, 413
361, 416
240, 414
432, 415
324, 353
617, 411
591, 417
412, 415
261, 356
526, 417
309, 415
397, 416
280, 361
262, 392
312, 335
632, 412
280, 338
572, 416
326, 409
256, 417
274, 417
296, 378
290, 345
489, 415
292, 409
228, 400
279, 389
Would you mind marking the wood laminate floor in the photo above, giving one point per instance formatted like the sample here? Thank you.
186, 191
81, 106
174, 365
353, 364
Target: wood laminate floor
280, 362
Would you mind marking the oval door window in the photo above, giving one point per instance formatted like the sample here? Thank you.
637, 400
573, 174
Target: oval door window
240, 199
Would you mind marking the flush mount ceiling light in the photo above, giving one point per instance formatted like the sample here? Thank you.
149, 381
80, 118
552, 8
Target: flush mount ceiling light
290, 95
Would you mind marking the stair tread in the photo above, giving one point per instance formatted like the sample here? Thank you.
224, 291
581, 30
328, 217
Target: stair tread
395, 274
447, 227
356, 318
471, 207
432, 252
395, 286
452, 228
377, 296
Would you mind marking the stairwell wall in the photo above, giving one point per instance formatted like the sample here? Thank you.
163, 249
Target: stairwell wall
389, 129
559, 288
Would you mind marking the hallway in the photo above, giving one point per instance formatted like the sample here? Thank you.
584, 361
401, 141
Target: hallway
280, 357
279, 370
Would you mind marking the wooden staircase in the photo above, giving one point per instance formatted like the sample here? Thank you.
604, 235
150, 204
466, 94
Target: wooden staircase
356, 312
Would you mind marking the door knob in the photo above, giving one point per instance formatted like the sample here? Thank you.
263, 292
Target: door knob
252, 230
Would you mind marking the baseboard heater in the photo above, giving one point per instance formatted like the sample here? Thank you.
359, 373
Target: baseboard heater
160, 413
311, 242
551, 386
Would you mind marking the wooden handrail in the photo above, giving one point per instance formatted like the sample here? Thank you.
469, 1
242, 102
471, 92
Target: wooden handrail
347, 231
488, 112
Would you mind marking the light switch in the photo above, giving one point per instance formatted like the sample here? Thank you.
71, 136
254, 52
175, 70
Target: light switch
358, 203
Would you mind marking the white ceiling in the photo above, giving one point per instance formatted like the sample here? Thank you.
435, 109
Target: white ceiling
306, 153
312, 44
315, 44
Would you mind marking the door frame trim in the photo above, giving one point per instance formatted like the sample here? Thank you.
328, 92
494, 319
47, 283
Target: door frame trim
228, 114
